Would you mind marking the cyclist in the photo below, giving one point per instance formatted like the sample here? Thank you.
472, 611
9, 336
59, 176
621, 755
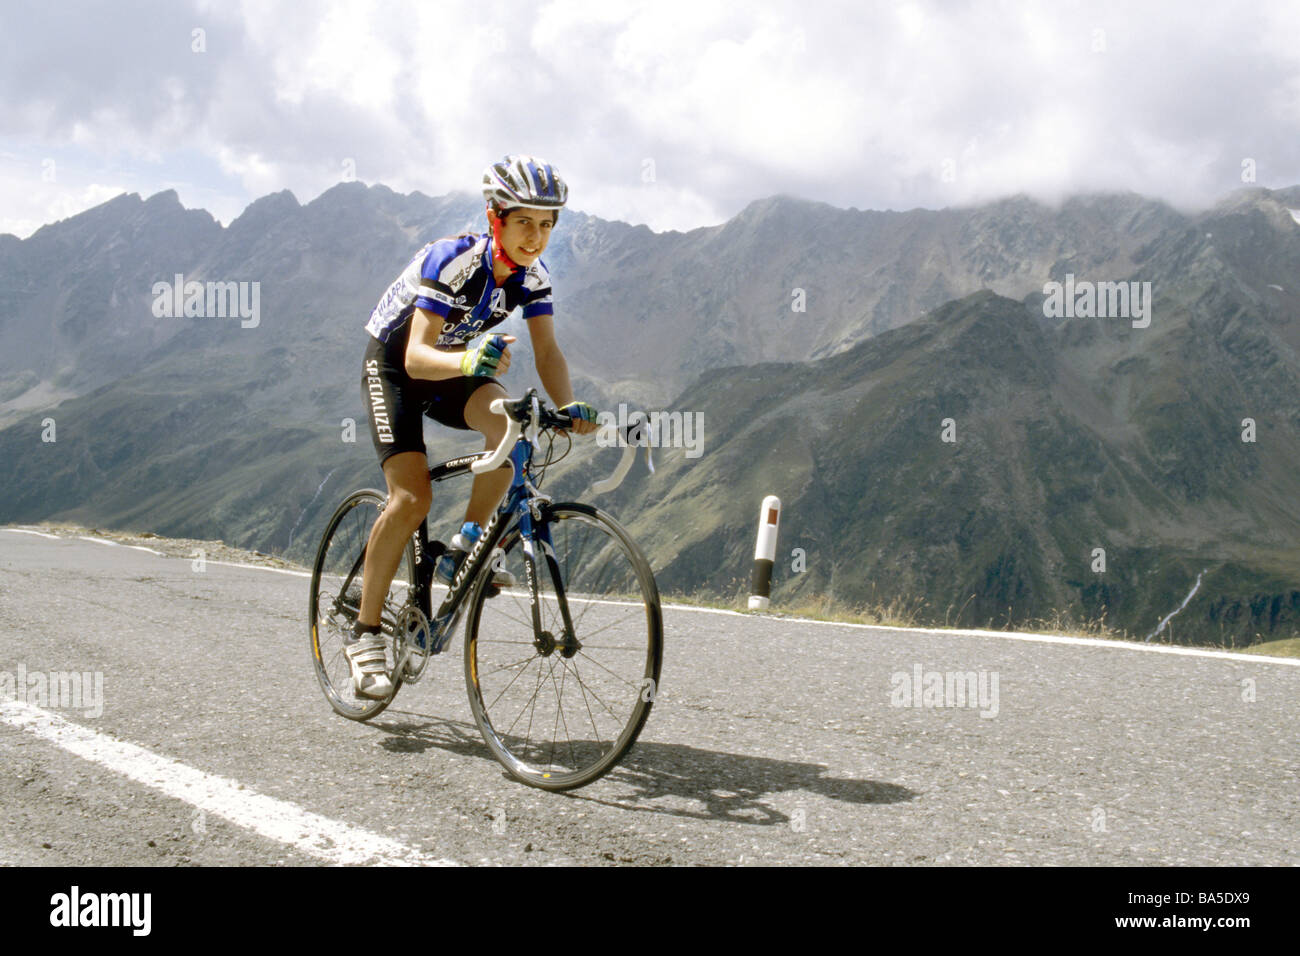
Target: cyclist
419, 360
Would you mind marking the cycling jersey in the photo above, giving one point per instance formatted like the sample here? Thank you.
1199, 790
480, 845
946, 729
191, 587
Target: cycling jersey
452, 278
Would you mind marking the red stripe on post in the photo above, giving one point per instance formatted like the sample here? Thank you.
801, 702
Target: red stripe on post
771, 516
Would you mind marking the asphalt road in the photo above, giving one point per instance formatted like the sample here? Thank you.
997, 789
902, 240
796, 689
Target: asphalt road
771, 742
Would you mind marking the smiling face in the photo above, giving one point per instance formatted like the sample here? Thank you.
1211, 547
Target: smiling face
525, 233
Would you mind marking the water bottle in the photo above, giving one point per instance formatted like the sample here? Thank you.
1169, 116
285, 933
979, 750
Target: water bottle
456, 551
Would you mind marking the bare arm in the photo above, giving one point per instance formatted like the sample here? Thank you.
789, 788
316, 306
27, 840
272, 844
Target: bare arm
422, 359
548, 358
552, 367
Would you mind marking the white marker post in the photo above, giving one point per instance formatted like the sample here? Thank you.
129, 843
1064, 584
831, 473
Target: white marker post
764, 553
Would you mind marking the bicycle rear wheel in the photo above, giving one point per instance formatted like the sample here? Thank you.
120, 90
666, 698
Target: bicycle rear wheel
336, 600
560, 689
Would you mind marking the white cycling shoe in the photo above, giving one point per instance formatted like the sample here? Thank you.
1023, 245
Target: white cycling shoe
369, 666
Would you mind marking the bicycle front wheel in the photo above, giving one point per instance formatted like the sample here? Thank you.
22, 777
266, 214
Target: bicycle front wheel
336, 600
561, 681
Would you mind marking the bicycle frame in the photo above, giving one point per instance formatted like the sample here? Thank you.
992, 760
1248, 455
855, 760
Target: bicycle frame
519, 508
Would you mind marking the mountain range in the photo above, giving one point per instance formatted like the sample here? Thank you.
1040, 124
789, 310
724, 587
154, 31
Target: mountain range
936, 435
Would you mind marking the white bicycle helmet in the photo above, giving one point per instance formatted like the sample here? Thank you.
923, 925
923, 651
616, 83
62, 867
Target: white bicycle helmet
524, 182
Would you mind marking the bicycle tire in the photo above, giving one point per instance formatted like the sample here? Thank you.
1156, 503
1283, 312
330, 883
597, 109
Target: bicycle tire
340, 550
494, 630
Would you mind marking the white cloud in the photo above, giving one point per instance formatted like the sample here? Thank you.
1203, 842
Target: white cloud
921, 103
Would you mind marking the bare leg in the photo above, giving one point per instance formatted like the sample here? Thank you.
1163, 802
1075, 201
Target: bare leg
489, 488
409, 497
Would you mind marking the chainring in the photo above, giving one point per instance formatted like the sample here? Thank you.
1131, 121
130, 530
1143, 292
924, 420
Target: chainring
414, 637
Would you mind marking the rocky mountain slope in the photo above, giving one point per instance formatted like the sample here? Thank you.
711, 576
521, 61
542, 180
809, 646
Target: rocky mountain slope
1071, 434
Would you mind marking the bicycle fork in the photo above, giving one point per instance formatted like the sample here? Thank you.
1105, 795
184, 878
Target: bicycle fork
546, 642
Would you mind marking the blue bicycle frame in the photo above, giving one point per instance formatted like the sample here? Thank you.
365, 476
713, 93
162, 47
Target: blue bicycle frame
520, 505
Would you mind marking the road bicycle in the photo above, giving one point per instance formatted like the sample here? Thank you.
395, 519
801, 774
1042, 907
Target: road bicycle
562, 668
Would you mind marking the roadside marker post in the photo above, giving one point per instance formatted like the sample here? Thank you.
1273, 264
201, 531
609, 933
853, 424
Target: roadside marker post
760, 588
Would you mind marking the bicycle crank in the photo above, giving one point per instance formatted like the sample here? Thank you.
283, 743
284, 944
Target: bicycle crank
413, 639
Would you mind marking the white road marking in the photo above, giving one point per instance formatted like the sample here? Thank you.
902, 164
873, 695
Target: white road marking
329, 840
1026, 636
53, 537
721, 610
954, 632
937, 631
258, 567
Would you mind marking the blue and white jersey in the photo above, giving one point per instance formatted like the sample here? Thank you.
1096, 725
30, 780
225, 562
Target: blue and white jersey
452, 278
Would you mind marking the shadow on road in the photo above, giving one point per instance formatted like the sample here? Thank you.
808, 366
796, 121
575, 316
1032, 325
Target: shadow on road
718, 786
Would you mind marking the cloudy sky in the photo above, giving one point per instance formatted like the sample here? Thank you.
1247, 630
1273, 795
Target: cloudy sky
673, 113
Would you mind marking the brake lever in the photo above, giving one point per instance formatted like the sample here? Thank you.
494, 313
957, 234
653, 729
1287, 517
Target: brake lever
535, 425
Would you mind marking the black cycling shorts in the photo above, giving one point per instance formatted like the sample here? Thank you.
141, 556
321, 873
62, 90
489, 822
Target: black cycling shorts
396, 403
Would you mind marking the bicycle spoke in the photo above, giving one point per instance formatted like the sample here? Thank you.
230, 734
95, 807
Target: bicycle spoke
531, 699
587, 703
611, 673
506, 667
515, 620
586, 690
532, 710
512, 680
559, 715
336, 587
605, 628
583, 709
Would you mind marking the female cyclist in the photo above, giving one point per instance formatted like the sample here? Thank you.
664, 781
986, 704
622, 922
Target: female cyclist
419, 360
